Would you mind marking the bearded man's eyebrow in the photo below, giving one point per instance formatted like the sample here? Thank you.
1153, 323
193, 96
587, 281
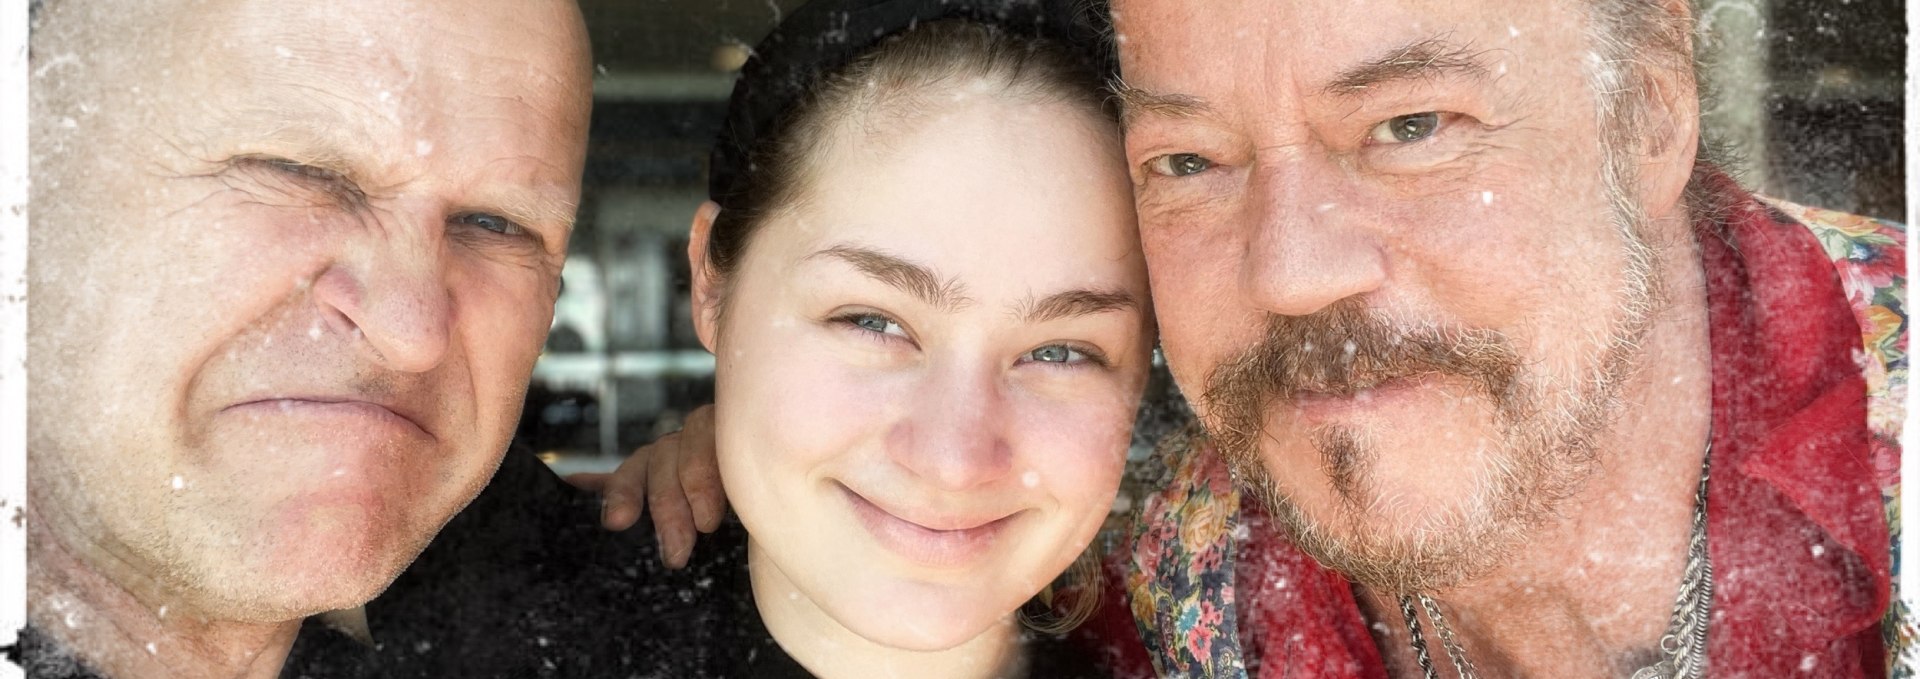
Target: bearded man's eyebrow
1137, 103
1428, 59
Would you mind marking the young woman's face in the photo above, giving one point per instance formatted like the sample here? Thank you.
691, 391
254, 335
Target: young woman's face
928, 367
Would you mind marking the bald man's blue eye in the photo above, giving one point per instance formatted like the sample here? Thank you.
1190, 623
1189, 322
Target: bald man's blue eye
494, 223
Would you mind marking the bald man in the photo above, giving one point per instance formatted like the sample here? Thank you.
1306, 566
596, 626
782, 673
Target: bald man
292, 265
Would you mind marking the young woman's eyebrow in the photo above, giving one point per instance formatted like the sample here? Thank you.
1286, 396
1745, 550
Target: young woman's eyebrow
1082, 302
945, 294
948, 295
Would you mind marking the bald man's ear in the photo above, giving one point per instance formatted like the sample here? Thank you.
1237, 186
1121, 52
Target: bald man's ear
706, 282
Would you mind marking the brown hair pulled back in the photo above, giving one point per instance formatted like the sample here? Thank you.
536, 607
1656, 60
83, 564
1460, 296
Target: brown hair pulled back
896, 78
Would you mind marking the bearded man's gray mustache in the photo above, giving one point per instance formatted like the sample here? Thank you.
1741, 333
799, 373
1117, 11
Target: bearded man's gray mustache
1341, 351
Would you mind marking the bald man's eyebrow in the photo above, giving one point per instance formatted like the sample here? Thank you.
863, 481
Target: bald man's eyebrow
530, 206
1136, 103
1073, 303
914, 279
1430, 59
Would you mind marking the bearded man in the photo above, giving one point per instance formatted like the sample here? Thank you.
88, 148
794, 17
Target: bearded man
1467, 311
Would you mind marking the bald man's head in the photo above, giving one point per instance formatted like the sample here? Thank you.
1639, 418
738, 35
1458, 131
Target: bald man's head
293, 261
123, 58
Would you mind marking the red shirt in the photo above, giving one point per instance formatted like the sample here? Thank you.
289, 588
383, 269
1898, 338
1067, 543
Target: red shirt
1795, 523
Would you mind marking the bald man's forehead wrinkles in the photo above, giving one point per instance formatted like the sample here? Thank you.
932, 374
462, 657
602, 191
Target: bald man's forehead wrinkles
397, 115
322, 72
572, 121
336, 41
384, 54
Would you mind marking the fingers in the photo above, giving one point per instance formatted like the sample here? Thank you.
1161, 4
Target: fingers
621, 492
676, 479
673, 523
700, 471
705, 498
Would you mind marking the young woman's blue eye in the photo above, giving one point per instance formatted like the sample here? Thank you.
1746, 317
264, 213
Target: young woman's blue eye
1060, 354
875, 323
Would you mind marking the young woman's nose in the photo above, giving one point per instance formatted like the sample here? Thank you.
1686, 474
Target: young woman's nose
954, 436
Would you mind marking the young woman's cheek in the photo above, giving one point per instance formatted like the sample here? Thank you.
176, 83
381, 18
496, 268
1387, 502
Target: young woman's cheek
1076, 447
808, 397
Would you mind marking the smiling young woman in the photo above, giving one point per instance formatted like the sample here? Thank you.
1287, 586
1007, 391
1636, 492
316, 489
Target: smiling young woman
923, 286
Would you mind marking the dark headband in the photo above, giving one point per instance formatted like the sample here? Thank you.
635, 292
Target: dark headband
825, 35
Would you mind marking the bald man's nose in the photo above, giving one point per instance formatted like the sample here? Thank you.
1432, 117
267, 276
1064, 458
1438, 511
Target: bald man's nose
1305, 250
396, 299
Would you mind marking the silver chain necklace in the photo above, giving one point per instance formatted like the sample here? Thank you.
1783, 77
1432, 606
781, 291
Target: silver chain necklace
1684, 645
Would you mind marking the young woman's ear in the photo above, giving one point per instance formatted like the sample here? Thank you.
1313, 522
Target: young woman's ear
706, 283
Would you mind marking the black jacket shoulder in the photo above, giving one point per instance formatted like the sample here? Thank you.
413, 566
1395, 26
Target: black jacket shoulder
525, 583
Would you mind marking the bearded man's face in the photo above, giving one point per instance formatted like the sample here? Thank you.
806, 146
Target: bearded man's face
1395, 264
